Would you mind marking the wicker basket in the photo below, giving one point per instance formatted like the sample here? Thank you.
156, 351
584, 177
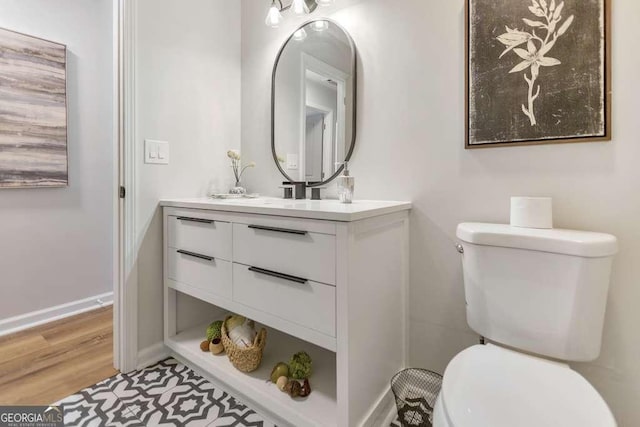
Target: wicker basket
244, 359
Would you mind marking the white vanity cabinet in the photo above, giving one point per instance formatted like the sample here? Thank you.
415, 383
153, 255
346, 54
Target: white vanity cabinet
321, 277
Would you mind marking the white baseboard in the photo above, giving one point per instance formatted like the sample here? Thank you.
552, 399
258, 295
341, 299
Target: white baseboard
151, 355
391, 416
382, 412
40, 317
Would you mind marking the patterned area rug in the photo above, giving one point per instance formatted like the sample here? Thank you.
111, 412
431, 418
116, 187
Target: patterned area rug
166, 394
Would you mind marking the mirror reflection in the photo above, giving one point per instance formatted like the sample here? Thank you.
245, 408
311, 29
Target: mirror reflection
314, 103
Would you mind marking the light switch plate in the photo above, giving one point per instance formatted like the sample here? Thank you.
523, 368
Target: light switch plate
156, 152
292, 161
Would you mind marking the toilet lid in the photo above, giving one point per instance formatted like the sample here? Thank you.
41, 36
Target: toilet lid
490, 386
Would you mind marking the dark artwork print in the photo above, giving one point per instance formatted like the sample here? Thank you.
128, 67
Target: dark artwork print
33, 112
536, 71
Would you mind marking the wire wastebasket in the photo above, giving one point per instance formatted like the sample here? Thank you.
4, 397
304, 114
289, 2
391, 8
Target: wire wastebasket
416, 391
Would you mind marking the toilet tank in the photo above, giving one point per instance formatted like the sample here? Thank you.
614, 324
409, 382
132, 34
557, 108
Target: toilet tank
541, 291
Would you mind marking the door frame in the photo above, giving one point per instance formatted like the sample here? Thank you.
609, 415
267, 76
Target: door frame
125, 287
328, 116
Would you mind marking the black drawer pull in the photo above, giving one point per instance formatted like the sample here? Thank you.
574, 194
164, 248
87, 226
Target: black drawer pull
278, 230
200, 220
195, 255
278, 275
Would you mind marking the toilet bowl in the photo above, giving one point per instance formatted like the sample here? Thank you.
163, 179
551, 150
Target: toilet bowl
491, 386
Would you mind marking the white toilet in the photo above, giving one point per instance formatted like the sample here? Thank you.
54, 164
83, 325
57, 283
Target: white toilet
542, 294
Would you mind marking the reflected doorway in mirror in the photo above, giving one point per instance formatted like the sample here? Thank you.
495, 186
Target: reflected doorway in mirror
323, 135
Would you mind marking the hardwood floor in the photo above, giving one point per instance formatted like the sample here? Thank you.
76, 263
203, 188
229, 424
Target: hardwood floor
42, 365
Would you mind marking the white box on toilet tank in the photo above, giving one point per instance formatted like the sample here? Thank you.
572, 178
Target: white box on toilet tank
532, 212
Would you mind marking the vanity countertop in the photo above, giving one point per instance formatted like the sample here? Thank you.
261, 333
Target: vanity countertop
330, 210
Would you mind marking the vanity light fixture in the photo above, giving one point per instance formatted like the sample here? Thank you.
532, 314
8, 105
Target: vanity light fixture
299, 8
274, 17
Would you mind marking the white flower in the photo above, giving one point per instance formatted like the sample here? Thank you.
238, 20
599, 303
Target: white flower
513, 39
534, 59
233, 154
535, 54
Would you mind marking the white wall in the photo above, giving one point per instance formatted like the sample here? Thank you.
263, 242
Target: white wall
56, 244
187, 93
410, 146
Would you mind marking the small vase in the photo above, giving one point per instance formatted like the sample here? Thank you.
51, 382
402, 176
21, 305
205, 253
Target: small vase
216, 346
238, 189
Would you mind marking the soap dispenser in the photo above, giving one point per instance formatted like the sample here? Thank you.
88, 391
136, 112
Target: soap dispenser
346, 184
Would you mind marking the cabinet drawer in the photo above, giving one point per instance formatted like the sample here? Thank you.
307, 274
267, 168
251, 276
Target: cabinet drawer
308, 304
203, 236
211, 275
291, 251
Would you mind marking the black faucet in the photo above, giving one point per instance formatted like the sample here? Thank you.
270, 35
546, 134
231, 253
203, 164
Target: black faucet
299, 189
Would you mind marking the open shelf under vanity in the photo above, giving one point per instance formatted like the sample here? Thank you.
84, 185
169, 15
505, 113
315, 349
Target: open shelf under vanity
319, 408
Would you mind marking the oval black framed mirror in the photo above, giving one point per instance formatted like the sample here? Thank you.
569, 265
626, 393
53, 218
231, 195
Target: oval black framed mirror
313, 103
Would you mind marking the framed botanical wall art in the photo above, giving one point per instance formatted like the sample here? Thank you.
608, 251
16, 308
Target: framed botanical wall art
537, 72
33, 112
